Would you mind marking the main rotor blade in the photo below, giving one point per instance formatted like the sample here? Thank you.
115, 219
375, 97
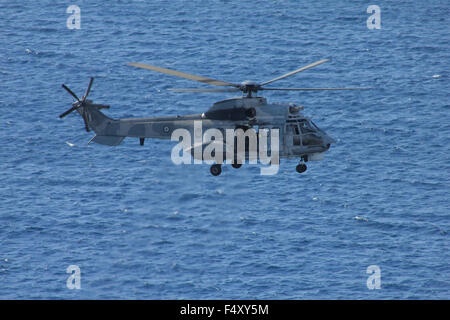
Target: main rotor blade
295, 71
205, 90
183, 75
70, 91
313, 89
62, 115
88, 89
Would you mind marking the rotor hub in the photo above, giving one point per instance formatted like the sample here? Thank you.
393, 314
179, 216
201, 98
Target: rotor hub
249, 87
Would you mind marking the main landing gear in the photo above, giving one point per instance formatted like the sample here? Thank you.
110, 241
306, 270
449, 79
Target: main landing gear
216, 169
301, 167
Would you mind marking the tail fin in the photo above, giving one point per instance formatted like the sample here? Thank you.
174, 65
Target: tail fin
94, 119
99, 122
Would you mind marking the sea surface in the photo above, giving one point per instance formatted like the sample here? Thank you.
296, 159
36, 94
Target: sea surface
140, 227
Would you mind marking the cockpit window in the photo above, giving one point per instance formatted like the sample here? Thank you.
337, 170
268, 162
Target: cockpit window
305, 127
315, 126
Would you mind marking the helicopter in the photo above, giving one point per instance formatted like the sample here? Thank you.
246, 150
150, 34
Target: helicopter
297, 136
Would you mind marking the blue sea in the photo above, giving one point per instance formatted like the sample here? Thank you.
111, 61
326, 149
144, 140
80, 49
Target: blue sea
139, 227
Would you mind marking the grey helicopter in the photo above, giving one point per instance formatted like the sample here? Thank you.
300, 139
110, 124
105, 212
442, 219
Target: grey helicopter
298, 136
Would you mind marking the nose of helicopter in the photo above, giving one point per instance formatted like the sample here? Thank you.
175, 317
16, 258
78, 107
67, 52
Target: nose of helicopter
327, 141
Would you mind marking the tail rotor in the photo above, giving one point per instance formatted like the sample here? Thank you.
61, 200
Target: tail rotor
83, 103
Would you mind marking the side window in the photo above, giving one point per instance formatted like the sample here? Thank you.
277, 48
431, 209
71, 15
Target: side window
296, 137
292, 129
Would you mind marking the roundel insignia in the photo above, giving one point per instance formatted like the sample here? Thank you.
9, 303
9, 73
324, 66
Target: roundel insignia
166, 129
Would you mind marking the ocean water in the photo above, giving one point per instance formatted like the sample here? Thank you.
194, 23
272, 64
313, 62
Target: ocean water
140, 227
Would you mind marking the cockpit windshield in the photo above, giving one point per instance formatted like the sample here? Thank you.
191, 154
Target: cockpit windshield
306, 127
315, 126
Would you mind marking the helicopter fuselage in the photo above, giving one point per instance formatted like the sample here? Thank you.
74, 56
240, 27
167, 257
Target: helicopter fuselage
298, 135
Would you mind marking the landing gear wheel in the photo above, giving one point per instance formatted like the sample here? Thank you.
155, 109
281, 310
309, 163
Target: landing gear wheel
216, 169
301, 168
